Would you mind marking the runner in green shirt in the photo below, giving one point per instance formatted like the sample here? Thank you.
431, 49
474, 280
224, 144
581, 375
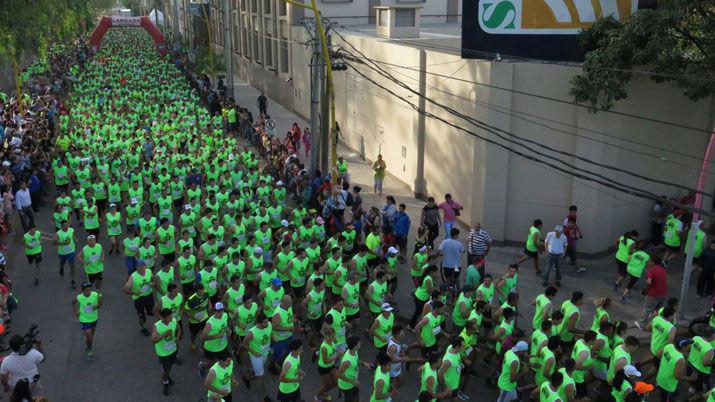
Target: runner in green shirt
138, 286
114, 228
65, 241
33, 249
86, 306
165, 335
219, 379
347, 374
92, 256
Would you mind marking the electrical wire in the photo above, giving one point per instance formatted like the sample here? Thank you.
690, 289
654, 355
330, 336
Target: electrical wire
618, 187
508, 136
492, 55
515, 114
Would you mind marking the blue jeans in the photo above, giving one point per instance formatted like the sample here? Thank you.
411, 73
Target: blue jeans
553, 260
448, 225
131, 263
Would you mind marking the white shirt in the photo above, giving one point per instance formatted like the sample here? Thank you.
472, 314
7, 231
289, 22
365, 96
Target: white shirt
21, 367
556, 245
22, 198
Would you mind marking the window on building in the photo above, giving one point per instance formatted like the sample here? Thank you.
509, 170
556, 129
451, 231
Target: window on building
268, 50
404, 17
267, 6
383, 18
243, 4
254, 6
256, 46
282, 8
285, 62
244, 42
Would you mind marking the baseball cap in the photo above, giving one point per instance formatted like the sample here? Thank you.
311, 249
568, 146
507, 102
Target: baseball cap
559, 228
643, 387
685, 342
423, 249
91, 237
218, 306
134, 201
187, 207
86, 285
320, 220
279, 183
392, 250
141, 262
284, 223
257, 250
277, 282
386, 307
631, 371
112, 205
520, 346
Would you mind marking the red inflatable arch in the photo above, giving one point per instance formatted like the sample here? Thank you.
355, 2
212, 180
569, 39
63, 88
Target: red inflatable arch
119, 21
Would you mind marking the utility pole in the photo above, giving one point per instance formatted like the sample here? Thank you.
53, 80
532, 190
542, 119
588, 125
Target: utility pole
325, 128
227, 48
685, 285
316, 78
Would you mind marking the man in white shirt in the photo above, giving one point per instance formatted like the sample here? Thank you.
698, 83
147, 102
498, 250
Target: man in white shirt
16, 367
555, 246
23, 203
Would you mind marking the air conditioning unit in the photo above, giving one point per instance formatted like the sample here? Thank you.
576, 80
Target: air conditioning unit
398, 21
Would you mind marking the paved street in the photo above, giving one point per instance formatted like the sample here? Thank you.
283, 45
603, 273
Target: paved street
125, 367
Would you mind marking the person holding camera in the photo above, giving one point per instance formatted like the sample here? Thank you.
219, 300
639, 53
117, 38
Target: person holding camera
22, 363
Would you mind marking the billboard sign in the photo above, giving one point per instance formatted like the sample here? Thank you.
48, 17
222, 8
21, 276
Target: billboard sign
542, 29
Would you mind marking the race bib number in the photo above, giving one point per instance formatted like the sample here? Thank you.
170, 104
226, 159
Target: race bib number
212, 284
169, 345
88, 309
146, 288
436, 330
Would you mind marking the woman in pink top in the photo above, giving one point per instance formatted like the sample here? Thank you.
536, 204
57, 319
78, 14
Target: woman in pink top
450, 209
306, 140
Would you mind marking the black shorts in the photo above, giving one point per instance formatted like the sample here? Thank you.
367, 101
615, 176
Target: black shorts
179, 203
220, 355
187, 288
291, 397
93, 232
532, 254
298, 291
702, 383
196, 327
316, 324
428, 351
95, 277
144, 306
631, 281
167, 361
674, 249
101, 205
581, 390
622, 267
34, 258
352, 317
169, 257
352, 394
325, 370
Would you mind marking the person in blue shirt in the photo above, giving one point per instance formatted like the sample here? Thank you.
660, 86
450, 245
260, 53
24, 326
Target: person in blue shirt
401, 228
35, 187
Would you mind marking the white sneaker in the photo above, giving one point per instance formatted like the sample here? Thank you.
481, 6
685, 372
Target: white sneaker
637, 325
581, 270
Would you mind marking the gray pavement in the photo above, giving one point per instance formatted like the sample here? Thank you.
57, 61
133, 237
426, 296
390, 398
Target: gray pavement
125, 367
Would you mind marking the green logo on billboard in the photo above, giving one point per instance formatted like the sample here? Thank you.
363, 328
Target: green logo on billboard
498, 14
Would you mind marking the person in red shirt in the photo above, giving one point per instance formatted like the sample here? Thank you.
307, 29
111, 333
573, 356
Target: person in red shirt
572, 235
655, 291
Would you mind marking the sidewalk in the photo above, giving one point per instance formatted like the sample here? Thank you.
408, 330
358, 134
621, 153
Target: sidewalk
595, 283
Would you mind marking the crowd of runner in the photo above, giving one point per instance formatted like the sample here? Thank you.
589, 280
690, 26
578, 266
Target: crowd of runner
233, 254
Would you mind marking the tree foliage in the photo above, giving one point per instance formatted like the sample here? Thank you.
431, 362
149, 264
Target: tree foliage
673, 43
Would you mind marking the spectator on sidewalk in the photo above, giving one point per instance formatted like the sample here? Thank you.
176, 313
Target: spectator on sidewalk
656, 289
479, 243
555, 245
388, 212
706, 278
401, 228
451, 210
23, 203
35, 187
430, 218
262, 102
451, 251
379, 167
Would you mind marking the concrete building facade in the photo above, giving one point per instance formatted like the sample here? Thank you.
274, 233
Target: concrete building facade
644, 134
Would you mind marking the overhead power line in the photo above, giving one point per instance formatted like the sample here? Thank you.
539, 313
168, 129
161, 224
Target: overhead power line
509, 136
520, 115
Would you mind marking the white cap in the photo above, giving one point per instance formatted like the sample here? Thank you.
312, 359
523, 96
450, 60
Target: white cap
218, 306
423, 249
257, 250
392, 250
284, 223
386, 307
279, 183
91, 237
631, 371
6, 163
559, 228
187, 207
134, 201
112, 205
520, 346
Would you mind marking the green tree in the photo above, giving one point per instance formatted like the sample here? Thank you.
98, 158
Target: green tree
673, 43
27, 28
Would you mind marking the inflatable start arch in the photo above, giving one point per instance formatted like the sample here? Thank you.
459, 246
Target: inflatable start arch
119, 21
